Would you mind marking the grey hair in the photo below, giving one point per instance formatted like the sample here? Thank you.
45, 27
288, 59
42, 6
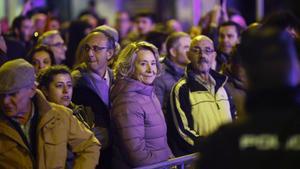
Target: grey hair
47, 37
124, 66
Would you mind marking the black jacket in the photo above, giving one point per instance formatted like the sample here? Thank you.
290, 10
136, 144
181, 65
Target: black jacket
268, 138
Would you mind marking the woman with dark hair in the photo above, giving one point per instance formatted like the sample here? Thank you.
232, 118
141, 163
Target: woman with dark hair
138, 124
41, 57
56, 84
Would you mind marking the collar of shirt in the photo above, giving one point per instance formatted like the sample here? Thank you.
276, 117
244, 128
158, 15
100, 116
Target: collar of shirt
208, 84
97, 77
26, 127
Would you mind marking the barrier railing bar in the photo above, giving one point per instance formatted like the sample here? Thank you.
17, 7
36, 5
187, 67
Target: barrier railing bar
174, 162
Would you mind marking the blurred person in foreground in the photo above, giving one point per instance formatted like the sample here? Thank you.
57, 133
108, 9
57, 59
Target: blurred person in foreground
268, 137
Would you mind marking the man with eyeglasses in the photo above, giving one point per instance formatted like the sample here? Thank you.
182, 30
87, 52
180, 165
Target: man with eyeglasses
54, 41
199, 103
92, 81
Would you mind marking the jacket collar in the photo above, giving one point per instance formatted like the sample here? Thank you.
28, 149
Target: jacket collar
128, 85
172, 68
7, 128
194, 85
82, 77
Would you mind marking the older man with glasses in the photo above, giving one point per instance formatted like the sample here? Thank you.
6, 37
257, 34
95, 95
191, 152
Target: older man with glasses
93, 78
55, 42
199, 103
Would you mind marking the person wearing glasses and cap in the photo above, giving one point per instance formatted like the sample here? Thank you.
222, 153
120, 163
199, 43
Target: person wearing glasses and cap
199, 103
36, 133
92, 81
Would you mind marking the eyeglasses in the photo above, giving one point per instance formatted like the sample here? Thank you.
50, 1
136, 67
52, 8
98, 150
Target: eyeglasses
206, 51
58, 45
94, 48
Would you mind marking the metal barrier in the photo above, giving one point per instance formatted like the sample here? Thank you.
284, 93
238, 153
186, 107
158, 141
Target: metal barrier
180, 162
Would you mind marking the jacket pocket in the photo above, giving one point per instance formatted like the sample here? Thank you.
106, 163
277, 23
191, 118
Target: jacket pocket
55, 147
55, 131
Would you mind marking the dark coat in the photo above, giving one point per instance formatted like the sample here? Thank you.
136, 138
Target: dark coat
164, 83
84, 93
267, 139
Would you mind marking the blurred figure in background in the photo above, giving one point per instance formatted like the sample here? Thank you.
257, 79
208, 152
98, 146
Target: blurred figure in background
228, 38
145, 22
237, 82
173, 25
77, 31
236, 17
3, 49
22, 30
158, 38
52, 23
54, 41
41, 57
123, 24
173, 66
39, 18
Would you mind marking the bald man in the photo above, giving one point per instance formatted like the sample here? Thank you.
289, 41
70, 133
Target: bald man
199, 103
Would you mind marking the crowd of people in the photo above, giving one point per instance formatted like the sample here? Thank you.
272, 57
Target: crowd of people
84, 94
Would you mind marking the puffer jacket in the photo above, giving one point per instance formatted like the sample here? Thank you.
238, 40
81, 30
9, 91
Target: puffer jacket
139, 126
56, 129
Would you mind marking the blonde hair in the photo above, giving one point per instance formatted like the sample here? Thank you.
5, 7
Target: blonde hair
125, 67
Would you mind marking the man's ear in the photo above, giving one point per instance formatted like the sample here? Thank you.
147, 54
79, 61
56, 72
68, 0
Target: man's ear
172, 52
214, 55
33, 90
110, 53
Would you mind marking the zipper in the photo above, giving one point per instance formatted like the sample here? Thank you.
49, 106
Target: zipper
215, 95
216, 102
